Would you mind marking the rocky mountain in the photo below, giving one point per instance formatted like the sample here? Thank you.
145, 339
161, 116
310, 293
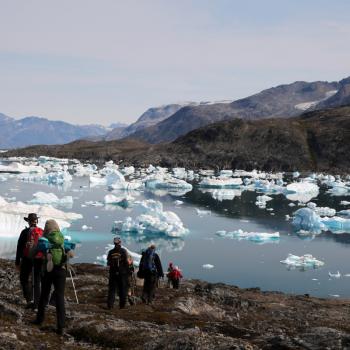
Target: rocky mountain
283, 101
341, 98
34, 130
314, 141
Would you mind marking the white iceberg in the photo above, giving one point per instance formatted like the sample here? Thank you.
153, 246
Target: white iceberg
261, 201
201, 212
344, 203
16, 167
123, 199
301, 191
12, 214
153, 220
221, 182
334, 275
304, 261
257, 237
208, 266
51, 198
321, 211
222, 194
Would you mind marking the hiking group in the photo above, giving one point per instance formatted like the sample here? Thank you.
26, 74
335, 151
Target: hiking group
44, 255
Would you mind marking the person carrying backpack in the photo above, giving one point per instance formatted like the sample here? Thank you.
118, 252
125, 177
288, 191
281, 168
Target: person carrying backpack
174, 276
55, 272
151, 270
29, 261
117, 260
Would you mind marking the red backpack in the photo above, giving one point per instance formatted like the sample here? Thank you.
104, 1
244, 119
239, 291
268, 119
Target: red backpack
29, 251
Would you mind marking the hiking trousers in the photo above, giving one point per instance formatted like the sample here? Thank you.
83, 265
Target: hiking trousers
149, 286
31, 291
117, 282
57, 278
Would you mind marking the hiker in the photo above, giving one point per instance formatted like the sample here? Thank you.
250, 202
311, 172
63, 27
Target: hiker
131, 280
151, 270
29, 261
55, 271
117, 260
174, 276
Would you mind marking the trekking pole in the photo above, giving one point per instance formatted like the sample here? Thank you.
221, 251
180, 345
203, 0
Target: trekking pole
75, 292
33, 287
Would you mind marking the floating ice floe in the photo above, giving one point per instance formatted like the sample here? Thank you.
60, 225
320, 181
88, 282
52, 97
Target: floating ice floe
221, 182
301, 191
123, 199
208, 266
304, 261
85, 227
166, 181
51, 198
257, 237
344, 203
307, 219
334, 275
344, 212
261, 201
84, 170
12, 214
222, 194
201, 212
154, 220
296, 174
21, 168
178, 202
321, 211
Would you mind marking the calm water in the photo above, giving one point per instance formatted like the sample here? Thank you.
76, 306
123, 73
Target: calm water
241, 263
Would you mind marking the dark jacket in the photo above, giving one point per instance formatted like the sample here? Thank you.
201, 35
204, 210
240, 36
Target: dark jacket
22, 241
117, 260
157, 264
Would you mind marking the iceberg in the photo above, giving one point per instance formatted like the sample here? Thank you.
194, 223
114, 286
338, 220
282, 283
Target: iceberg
201, 212
161, 181
257, 237
153, 220
51, 198
221, 182
16, 168
334, 275
123, 200
12, 214
307, 219
208, 266
304, 261
321, 211
301, 191
261, 201
344, 203
222, 194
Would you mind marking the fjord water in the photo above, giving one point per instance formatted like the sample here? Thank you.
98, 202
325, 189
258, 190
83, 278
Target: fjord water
241, 263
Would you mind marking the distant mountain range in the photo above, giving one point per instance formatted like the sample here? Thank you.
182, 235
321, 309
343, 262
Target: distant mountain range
283, 101
34, 130
314, 141
168, 122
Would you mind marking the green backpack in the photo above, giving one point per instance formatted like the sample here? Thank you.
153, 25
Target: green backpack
57, 251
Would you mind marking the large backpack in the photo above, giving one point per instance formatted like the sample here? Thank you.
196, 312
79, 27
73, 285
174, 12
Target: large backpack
148, 263
30, 248
56, 240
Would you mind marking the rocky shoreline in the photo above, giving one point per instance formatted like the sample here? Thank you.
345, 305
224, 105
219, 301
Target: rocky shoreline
199, 316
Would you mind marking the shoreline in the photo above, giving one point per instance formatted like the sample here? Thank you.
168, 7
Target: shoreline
200, 315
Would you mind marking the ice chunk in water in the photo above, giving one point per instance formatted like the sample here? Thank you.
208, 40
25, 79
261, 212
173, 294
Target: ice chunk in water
334, 275
51, 198
262, 200
344, 203
208, 266
154, 220
321, 211
257, 237
307, 219
303, 261
123, 199
16, 167
301, 191
221, 182
201, 212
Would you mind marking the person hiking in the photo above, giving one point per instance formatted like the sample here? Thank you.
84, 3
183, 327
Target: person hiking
151, 270
117, 260
174, 276
55, 272
29, 261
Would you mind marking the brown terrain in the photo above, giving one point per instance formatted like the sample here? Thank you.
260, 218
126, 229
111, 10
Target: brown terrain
198, 316
315, 141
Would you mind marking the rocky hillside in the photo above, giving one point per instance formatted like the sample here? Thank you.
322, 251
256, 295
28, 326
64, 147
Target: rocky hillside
34, 130
315, 141
198, 316
283, 101
341, 98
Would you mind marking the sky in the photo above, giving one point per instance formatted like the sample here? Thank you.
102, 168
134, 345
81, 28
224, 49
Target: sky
107, 61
